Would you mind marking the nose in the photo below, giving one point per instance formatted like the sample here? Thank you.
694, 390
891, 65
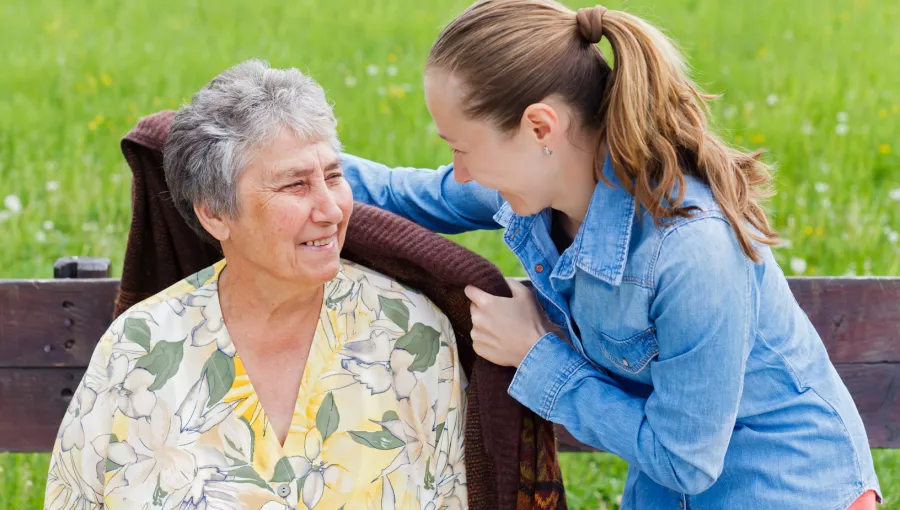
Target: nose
461, 173
327, 209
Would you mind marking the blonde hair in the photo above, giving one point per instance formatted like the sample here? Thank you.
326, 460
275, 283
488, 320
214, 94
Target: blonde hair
510, 54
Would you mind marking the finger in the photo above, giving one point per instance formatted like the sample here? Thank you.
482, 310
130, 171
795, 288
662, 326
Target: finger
477, 296
518, 289
479, 318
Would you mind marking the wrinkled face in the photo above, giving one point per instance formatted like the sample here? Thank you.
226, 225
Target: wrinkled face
513, 164
294, 209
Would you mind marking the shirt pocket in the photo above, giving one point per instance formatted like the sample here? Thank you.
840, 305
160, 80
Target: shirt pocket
630, 355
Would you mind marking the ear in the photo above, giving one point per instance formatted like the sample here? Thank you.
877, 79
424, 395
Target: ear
542, 121
213, 223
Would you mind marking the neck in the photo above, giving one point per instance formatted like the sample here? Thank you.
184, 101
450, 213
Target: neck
256, 299
576, 188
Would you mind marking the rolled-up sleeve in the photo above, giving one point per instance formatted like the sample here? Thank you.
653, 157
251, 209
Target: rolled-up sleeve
704, 313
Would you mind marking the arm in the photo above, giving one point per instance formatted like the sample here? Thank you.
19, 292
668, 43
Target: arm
431, 198
78, 463
678, 435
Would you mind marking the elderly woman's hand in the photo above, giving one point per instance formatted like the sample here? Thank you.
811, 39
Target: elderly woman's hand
505, 329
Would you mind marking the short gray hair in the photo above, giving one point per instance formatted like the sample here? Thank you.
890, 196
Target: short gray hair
213, 137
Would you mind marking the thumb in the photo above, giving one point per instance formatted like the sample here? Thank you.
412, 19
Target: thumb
476, 295
518, 288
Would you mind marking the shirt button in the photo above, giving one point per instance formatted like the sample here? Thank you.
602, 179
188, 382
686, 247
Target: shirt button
539, 268
284, 490
627, 364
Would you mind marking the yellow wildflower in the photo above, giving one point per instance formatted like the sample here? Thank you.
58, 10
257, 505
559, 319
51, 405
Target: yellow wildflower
883, 113
758, 138
105, 79
884, 149
392, 58
820, 232
396, 91
763, 51
808, 230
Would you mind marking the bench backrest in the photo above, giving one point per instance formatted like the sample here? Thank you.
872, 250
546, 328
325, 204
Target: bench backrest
48, 330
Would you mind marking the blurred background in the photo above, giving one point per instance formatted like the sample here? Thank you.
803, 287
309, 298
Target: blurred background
814, 82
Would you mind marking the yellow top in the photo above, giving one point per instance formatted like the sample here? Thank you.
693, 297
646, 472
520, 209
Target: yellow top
167, 418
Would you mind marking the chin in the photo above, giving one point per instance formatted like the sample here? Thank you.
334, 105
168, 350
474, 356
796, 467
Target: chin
522, 209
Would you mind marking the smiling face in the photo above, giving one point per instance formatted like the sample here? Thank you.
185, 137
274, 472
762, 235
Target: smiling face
294, 210
512, 163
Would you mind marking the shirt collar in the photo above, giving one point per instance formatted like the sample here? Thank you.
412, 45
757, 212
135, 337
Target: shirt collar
600, 247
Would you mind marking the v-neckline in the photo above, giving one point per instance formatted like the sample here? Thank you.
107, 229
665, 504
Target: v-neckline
293, 444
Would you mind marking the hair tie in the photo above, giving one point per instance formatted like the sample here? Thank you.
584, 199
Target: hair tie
590, 23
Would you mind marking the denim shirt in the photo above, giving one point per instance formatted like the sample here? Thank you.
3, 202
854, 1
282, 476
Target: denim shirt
684, 357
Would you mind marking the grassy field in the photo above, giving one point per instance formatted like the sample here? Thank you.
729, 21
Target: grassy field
814, 82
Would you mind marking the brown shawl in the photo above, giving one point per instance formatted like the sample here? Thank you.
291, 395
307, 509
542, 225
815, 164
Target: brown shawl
511, 458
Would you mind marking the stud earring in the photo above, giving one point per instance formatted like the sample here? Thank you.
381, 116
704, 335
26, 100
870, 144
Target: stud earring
547, 150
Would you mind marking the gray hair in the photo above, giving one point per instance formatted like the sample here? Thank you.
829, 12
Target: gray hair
212, 138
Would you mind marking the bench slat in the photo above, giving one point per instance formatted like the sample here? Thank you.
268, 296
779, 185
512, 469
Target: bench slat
53, 323
45, 393
858, 318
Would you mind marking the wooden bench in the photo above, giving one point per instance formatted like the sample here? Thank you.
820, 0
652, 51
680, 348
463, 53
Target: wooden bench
48, 330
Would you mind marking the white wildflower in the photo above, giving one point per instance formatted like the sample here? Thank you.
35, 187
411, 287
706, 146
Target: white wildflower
798, 265
392, 70
841, 129
894, 194
40, 236
372, 69
807, 128
13, 203
4, 215
730, 111
48, 225
52, 185
821, 187
350, 81
772, 99
842, 117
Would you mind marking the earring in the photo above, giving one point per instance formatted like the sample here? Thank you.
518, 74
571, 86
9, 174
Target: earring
547, 150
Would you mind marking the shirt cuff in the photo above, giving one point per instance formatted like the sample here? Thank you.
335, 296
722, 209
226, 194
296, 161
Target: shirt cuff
542, 374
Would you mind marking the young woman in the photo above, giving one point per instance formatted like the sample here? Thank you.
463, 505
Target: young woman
673, 339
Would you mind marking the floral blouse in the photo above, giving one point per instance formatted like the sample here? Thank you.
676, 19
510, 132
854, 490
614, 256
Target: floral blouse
167, 418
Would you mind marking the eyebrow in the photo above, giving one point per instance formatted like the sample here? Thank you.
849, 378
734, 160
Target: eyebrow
306, 171
445, 138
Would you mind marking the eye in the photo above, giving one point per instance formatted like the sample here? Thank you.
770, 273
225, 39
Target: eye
455, 151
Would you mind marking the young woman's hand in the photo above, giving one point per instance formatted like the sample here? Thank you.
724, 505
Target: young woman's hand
505, 329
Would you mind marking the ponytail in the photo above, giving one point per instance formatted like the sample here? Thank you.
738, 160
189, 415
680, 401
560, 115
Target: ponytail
655, 120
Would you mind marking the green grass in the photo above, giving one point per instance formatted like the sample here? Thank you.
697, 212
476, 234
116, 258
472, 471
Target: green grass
814, 82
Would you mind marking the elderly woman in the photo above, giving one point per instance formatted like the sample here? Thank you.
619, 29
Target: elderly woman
281, 377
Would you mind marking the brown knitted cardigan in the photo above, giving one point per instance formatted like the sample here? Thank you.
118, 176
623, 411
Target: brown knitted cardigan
511, 457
